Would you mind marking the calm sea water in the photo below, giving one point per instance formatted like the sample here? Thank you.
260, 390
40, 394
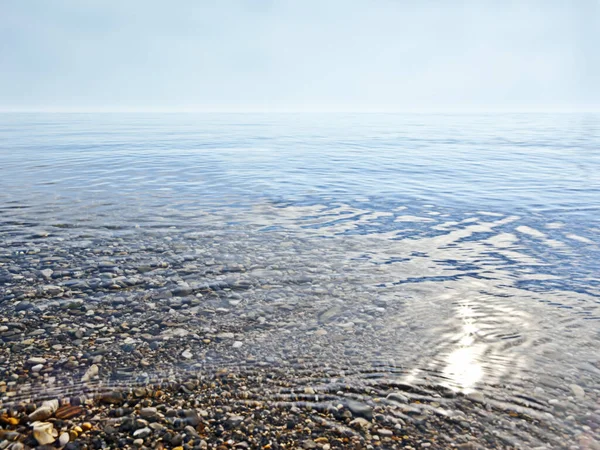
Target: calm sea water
450, 251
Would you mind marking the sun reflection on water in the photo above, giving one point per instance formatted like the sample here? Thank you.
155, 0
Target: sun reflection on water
463, 367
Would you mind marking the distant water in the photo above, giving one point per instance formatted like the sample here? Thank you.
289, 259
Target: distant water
458, 251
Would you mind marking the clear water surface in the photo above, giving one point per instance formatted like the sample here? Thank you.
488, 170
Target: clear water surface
437, 255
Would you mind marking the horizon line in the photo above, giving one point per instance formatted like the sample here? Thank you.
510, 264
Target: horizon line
298, 110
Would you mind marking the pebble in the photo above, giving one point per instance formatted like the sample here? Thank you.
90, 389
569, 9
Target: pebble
63, 439
359, 409
36, 360
187, 354
237, 344
224, 336
90, 373
142, 432
578, 391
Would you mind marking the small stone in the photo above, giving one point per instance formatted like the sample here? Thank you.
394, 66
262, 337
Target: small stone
187, 354
86, 426
41, 414
23, 306
47, 273
224, 336
44, 432
578, 391
359, 422
359, 409
237, 344
63, 439
142, 432
234, 421
476, 396
138, 442
37, 368
385, 432
35, 361
66, 412
397, 397
320, 332
149, 413
90, 373
112, 398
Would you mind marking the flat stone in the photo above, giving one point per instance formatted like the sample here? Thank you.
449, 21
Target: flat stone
148, 413
41, 414
35, 361
142, 432
90, 373
359, 422
113, 398
359, 409
23, 306
578, 391
225, 336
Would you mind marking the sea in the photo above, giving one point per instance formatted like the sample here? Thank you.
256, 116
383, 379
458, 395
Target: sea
440, 255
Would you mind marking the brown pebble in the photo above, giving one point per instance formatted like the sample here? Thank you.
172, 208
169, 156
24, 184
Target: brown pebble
66, 412
86, 426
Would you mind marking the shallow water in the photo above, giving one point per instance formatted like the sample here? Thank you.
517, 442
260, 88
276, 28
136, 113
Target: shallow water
358, 255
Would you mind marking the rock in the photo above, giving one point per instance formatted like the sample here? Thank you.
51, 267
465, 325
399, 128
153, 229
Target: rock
385, 432
187, 354
578, 391
476, 396
234, 421
23, 306
138, 442
41, 414
142, 432
47, 273
90, 373
52, 290
149, 413
237, 344
191, 417
359, 422
66, 412
44, 432
397, 397
37, 368
309, 444
112, 398
63, 439
330, 313
35, 361
224, 336
359, 409
320, 332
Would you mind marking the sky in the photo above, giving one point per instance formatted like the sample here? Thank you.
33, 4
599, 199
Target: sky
299, 55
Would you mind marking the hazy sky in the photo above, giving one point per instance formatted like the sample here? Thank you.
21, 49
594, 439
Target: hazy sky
301, 54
